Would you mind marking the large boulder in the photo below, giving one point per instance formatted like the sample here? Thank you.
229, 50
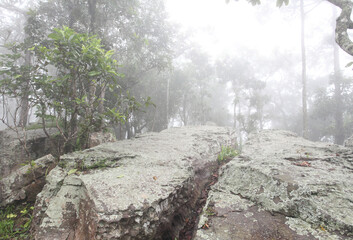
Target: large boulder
26, 182
282, 187
144, 188
13, 154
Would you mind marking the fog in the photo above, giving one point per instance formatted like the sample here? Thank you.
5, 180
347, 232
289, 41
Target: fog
176, 63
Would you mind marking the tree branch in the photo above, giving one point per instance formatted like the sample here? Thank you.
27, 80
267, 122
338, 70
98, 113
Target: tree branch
13, 8
343, 23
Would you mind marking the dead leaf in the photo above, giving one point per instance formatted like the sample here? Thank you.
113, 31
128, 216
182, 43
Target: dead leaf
205, 226
303, 164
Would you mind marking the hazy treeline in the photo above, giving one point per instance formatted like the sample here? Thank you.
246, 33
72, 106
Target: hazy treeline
165, 79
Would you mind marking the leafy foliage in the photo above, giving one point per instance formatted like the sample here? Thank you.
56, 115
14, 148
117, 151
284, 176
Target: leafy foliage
226, 153
72, 97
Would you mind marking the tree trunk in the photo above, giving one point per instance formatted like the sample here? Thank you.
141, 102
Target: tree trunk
25, 90
92, 7
128, 129
337, 82
167, 109
304, 80
235, 114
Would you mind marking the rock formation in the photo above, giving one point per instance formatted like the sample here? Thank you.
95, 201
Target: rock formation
282, 187
144, 188
12, 153
26, 182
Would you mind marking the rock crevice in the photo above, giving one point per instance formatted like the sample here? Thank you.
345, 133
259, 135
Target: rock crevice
301, 188
138, 189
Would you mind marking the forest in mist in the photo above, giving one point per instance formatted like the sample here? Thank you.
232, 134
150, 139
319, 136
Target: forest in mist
134, 66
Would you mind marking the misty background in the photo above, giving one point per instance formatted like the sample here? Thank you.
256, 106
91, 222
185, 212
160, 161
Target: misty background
198, 62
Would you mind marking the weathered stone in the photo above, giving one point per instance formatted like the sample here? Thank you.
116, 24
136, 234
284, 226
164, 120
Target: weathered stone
12, 153
98, 138
26, 182
134, 189
349, 142
282, 187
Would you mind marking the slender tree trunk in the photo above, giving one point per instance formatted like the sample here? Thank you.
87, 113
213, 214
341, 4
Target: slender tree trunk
167, 114
235, 114
304, 78
339, 129
239, 132
128, 129
24, 99
101, 105
260, 113
184, 113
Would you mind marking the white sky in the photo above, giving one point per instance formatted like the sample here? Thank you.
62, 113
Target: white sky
224, 28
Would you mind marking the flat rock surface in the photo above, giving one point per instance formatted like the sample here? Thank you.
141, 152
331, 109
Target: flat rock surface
282, 187
130, 189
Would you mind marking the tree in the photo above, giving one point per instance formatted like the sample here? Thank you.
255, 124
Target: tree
137, 30
16, 8
67, 100
248, 96
304, 77
338, 92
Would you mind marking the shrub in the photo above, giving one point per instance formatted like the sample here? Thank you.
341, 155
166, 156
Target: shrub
226, 153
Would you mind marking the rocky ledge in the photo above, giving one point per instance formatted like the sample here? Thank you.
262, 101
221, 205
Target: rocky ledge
144, 188
282, 187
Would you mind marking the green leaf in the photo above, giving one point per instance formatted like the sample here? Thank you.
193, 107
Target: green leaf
71, 37
72, 171
94, 73
54, 36
11, 215
121, 176
279, 3
349, 64
26, 225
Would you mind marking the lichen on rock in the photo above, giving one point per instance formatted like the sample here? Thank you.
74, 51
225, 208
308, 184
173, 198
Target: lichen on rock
135, 189
271, 177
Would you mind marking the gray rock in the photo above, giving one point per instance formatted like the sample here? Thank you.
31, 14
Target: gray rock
26, 182
98, 138
134, 189
12, 153
349, 142
282, 187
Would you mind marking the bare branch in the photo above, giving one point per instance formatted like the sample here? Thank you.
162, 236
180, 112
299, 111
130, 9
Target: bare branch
13, 8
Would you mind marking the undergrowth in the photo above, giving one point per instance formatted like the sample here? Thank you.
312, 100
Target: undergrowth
15, 222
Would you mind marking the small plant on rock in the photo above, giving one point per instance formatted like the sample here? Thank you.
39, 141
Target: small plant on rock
226, 153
